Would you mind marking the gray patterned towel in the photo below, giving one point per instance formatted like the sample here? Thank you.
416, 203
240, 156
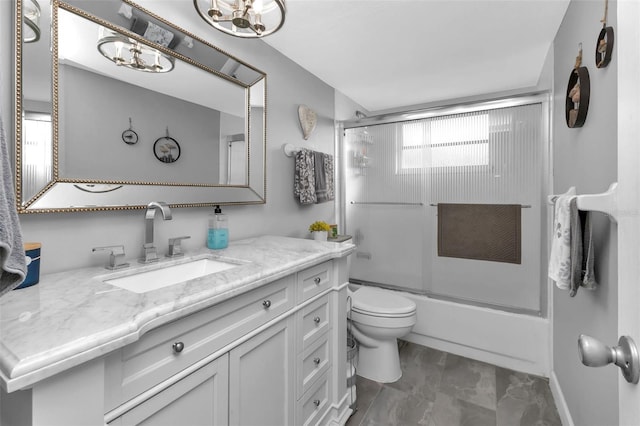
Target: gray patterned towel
12, 260
324, 177
304, 180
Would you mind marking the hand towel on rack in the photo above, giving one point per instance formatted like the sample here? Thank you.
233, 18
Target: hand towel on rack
582, 251
560, 258
490, 232
304, 181
323, 166
12, 259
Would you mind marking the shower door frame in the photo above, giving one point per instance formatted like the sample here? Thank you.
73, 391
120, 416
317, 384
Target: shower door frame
543, 98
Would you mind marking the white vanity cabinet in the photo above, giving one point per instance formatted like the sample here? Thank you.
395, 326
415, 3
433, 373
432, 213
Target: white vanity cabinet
266, 354
272, 355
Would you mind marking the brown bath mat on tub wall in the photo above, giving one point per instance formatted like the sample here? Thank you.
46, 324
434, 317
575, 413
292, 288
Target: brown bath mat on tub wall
480, 231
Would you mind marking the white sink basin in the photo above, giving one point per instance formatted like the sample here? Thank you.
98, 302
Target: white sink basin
143, 282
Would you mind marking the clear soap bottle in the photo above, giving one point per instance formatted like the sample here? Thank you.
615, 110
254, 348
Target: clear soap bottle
218, 236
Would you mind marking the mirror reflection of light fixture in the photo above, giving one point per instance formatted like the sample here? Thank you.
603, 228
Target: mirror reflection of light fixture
31, 21
129, 53
243, 18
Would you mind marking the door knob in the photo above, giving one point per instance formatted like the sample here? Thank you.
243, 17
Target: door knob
594, 353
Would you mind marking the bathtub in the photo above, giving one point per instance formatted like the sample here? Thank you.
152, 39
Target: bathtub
511, 340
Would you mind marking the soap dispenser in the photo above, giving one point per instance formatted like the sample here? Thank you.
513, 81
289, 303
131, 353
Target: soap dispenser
218, 236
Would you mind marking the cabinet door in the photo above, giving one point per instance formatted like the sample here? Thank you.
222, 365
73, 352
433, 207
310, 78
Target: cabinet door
261, 378
201, 399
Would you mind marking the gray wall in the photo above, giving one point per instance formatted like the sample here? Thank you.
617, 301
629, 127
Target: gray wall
67, 238
587, 159
95, 110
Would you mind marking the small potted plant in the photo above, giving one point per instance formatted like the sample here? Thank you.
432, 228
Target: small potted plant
319, 230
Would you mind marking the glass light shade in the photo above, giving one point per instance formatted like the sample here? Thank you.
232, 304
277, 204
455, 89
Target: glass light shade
243, 18
31, 21
129, 53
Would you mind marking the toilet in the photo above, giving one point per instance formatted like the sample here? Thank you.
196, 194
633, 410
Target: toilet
378, 318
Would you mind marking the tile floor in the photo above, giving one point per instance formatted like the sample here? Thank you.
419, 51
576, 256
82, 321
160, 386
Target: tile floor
442, 389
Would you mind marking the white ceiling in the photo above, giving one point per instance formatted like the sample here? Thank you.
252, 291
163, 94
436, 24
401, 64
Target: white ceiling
387, 54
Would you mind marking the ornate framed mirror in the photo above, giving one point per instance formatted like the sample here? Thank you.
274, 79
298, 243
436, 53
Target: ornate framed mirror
98, 66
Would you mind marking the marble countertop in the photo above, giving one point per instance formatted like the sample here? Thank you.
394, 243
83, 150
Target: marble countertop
72, 317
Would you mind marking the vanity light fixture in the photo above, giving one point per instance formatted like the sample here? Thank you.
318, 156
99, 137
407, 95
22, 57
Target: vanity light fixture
243, 18
31, 21
129, 53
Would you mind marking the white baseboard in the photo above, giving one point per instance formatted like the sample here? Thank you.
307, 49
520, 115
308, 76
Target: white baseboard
561, 403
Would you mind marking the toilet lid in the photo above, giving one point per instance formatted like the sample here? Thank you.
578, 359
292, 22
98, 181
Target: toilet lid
374, 301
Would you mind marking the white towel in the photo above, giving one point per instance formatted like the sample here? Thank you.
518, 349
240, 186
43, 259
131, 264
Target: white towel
560, 258
12, 259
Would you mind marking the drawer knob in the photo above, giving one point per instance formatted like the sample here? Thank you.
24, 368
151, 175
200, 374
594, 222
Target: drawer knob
316, 402
178, 347
316, 361
317, 280
316, 320
266, 304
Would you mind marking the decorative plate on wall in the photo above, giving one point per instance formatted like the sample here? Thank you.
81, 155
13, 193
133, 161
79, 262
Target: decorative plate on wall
166, 149
604, 45
578, 91
129, 136
308, 120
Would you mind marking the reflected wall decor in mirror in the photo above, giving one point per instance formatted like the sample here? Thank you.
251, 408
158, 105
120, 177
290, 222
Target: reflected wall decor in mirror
104, 71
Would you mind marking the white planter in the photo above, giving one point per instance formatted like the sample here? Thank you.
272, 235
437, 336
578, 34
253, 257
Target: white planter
320, 235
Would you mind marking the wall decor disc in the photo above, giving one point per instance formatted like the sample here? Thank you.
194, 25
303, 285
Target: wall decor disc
129, 137
308, 120
604, 47
577, 100
166, 149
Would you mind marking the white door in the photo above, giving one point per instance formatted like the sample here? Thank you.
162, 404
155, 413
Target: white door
627, 38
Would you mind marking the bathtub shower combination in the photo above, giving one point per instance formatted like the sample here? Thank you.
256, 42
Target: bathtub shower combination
399, 169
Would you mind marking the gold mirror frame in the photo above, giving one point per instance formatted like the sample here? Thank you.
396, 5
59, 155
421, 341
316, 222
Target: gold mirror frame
136, 194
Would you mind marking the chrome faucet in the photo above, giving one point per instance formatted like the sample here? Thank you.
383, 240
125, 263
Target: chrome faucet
149, 250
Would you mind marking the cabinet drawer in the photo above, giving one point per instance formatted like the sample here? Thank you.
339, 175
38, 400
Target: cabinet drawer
312, 363
314, 320
314, 280
153, 358
314, 403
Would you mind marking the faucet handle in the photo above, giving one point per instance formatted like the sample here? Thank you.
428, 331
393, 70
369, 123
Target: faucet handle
116, 258
175, 248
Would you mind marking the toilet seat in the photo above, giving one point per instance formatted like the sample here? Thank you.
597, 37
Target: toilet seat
380, 303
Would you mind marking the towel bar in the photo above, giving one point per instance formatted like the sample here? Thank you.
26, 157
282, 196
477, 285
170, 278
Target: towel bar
387, 203
605, 202
524, 206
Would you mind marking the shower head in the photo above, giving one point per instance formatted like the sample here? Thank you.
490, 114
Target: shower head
360, 114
